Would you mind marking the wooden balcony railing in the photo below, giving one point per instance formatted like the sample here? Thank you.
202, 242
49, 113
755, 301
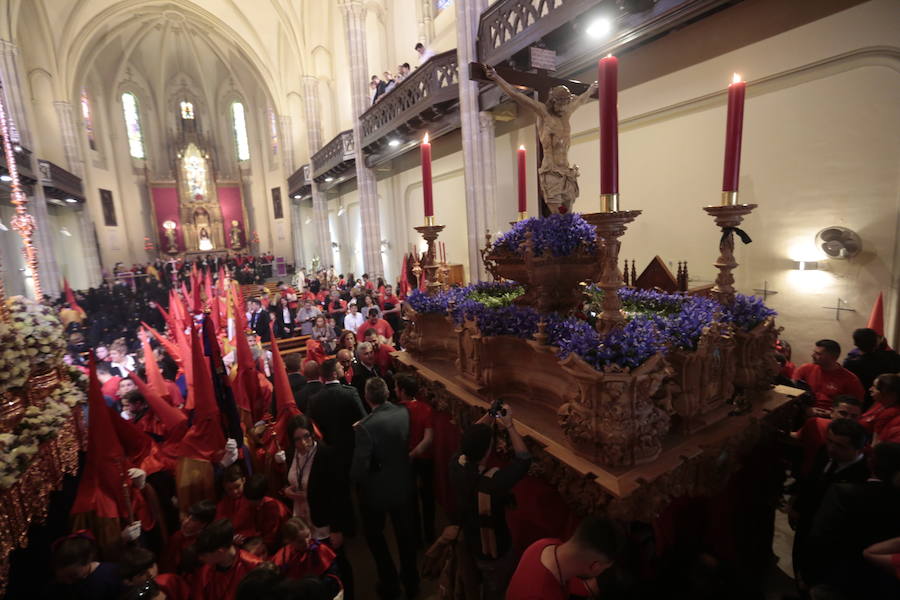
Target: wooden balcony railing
60, 183
23, 164
424, 98
300, 182
335, 157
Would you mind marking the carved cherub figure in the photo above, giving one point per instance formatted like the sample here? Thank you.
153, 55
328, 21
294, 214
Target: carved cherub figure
559, 180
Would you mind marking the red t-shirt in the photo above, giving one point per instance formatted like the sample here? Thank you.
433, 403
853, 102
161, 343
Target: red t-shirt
110, 387
825, 385
383, 358
533, 581
882, 421
392, 299
812, 436
382, 327
421, 418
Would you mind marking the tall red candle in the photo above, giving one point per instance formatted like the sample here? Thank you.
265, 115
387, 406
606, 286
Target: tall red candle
734, 128
426, 177
608, 82
523, 189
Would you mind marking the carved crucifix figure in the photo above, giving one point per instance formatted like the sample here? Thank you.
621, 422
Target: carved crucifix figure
559, 180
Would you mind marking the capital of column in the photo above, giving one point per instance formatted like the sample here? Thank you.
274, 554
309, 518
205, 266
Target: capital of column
8, 48
353, 7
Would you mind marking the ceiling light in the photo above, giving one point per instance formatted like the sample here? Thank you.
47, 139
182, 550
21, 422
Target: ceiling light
17, 148
341, 211
599, 28
329, 179
5, 178
71, 200
805, 265
3, 227
394, 143
307, 221
65, 232
296, 196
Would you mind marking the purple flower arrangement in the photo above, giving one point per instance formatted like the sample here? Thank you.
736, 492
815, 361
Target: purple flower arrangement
558, 234
747, 312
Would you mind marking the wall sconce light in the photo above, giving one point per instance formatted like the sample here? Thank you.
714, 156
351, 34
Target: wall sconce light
805, 265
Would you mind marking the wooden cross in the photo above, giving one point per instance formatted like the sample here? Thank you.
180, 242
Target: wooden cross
837, 309
765, 291
540, 83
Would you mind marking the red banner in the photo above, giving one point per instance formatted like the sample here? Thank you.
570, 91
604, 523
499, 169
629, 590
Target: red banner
232, 210
166, 207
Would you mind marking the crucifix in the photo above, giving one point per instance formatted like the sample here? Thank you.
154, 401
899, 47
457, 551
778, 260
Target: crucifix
765, 291
556, 100
837, 309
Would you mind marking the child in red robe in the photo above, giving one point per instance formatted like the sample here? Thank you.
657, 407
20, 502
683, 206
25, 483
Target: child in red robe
234, 506
138, 566
224, 566
303, 556
268, 513
175, 559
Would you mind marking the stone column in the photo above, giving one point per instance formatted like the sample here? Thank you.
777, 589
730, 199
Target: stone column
51, 278
477, 130
89, 243
296, 238
310, 87
287, 138
71, 145
12, 90
354, 12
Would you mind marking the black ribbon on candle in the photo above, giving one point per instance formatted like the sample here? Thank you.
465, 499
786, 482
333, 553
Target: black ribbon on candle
726, 231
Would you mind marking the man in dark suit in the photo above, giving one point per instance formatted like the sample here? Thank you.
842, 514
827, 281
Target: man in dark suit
335, 409
259, 320
313, 385
293, 364
871, 358
852, 517
381, 468
364, 368
841, 460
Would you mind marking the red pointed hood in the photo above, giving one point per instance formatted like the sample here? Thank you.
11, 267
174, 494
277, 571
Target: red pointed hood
285, 407
170, 416
205, 439
70, 298
404, 279
105, 468
876, 318
154, 375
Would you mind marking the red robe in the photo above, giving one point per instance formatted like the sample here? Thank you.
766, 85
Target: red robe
263, 519
171, 556
295, 564
214, 584
175, 587
239, 512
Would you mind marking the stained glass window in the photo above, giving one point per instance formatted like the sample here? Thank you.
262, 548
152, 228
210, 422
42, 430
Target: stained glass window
273, 131
187, 110
88, 121
239, 122
133, 125
442, 4
194, 165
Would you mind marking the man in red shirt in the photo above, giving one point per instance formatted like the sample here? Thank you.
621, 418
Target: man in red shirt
382, 352
382, 327
224, 566
421, 436
109, 383
826, 378
551, 569
812, 433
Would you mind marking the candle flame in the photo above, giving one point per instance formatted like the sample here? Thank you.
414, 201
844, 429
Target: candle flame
425, 140
735, 78
609, 55
522, 147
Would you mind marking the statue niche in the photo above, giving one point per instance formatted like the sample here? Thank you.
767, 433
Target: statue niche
200, 210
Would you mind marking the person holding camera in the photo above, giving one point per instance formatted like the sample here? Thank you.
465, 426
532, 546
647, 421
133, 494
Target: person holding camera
483, 495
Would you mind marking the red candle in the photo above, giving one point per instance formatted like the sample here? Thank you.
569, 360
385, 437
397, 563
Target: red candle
523, 189
426, 178
608, 84
734, 128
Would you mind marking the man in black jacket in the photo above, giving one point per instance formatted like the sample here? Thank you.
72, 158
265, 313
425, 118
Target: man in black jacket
853, 517
313, 385
335, 409
381, 467
259, 320
871, 359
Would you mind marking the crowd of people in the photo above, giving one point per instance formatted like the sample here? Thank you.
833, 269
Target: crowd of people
306, 451
845, 490
379, 86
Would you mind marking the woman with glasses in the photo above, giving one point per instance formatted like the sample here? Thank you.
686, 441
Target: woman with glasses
319, 490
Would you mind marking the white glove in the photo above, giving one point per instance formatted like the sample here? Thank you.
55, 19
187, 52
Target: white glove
231, 453
280, 457
259, 424
132, 532
138, 476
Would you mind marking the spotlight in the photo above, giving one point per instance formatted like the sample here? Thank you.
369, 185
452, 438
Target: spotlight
394, 143
17, 148
5, 178
329, 179
71, 200
599, 28
65, 232
307, 221
296, 196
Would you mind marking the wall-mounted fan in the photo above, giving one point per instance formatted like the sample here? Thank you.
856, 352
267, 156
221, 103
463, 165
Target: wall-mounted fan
839, 242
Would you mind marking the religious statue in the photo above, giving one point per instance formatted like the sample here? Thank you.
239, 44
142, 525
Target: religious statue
559, 181
205, 242
237, 241
171, 240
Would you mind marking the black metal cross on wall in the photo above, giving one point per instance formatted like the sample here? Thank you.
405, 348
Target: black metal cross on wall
837, 309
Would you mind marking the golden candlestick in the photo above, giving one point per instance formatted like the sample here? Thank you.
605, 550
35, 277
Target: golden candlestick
523, 215
609, 202
730, 198
429, 221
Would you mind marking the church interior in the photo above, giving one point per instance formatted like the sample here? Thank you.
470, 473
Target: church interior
225, 224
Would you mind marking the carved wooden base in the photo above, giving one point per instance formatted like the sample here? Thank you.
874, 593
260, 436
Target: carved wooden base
727, 218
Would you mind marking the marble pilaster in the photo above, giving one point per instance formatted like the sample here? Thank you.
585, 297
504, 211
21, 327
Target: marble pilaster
310, 88
71, 147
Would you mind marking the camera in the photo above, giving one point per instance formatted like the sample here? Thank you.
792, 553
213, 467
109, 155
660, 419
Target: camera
496, 409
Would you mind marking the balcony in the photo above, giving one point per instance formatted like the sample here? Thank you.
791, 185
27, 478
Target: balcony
300, 183
427, 100
508, 28
335, 161
60, 185
23, 165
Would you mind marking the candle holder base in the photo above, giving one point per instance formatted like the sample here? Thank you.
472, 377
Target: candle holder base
727, 217
435, 278
610, 227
